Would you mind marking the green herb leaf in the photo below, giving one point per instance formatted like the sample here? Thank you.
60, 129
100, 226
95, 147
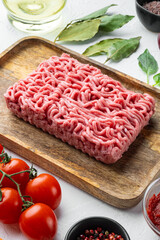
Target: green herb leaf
80, 31
97, 13
0, 195
123, 49
156, 78
148, 63
100, 47
110, 23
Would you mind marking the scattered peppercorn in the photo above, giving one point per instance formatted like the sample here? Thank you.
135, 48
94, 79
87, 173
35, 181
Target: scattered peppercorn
99, 234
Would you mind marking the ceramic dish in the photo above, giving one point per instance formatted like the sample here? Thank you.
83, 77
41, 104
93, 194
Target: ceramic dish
150, 20
92, 223
153, 188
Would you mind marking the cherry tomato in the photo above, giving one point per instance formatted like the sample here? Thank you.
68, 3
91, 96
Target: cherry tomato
1, 150
38, 222
15, 165
10, 205
44, 189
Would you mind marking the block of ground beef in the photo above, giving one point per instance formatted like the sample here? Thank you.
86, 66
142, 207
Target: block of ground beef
83, 107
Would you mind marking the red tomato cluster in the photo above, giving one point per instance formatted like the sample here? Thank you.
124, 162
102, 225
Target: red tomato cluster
37, 221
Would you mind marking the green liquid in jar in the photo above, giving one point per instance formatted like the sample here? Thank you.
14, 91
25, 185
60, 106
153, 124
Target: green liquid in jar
35, 10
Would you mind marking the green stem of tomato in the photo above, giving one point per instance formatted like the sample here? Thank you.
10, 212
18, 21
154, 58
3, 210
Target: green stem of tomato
3, 175
26, 203
32, 173
5, 158
10, 177
20, 172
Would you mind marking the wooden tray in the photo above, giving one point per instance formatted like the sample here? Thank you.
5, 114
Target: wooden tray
121, 184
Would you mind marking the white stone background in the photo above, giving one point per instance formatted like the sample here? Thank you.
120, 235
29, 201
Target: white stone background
77, 204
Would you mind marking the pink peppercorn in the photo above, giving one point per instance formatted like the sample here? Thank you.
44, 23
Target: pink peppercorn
119, 237
87, 232
82, 236
111, 237
91, 231
99, 229
99, 234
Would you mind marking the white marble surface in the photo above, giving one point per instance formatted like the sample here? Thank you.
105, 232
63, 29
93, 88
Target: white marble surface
77, 204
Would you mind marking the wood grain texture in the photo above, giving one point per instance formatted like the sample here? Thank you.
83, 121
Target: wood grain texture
121, 184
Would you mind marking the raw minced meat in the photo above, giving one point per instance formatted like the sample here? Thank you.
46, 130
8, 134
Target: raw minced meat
83, 107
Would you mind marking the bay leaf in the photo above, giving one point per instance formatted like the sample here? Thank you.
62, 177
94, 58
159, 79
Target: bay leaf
100, 47
148, 63
97, 13
110, 23
80, 31
123, 49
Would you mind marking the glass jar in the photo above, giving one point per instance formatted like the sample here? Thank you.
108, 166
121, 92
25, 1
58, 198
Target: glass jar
34, 15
